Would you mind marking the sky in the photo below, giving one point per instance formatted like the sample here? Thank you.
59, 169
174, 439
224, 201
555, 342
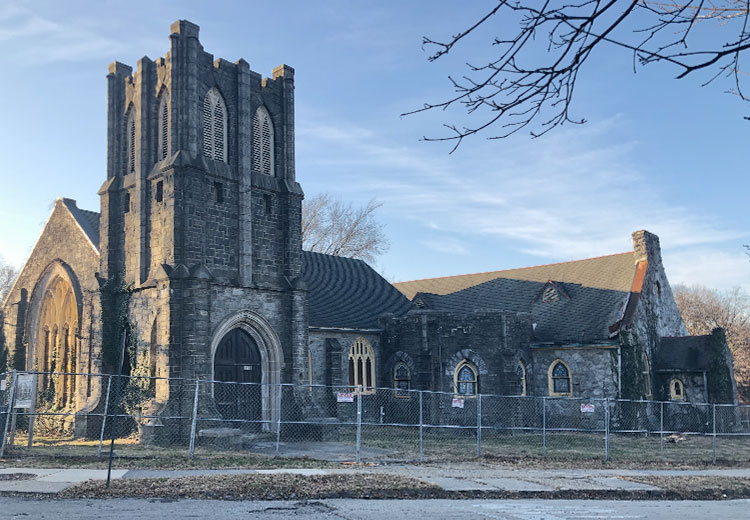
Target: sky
656, 153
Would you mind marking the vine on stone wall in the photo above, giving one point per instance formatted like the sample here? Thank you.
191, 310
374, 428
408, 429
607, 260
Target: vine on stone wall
115, 301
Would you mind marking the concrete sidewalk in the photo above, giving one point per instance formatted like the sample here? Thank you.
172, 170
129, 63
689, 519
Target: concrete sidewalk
463, 477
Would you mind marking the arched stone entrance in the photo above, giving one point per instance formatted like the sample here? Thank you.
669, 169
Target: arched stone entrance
237, 360
53, 333
246, 339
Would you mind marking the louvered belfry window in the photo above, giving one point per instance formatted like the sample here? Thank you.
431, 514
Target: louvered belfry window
163, 150
262, 142
214, 115
130, 142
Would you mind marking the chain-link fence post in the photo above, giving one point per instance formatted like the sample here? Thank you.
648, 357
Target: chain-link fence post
104, 417
194, 423
479, 425
278, 420
606, 429
544, 426
421, 428
661, 430
359, 422
713, 459
8, 412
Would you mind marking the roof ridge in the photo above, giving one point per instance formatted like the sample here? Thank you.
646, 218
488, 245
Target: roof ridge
515, 268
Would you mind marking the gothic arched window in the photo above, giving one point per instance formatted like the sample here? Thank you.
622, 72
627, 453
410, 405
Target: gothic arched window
646, 377
676, 390
466, 379
521, 372
401, 379
214, 122
163, 122
130, 142
362, 365
559, 379
263, 145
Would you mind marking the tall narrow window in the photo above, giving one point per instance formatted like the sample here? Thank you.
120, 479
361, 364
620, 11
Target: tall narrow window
559, 379
362, 365
465, 379
401, 379
130, 142
676, 390
214, 116
263, 142
163, 118
646, 377
521, 372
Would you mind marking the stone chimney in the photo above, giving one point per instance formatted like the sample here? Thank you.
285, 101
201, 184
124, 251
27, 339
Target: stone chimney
646, 247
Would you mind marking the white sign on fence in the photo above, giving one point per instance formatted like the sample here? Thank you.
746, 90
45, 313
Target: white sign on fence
587, 408
458, 403
3, 385
347, 397
25, 390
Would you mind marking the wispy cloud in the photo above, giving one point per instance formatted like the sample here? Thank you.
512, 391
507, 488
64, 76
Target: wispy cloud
558, 198
35, 38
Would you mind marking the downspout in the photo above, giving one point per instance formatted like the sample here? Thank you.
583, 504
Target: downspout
705, 387
619, 371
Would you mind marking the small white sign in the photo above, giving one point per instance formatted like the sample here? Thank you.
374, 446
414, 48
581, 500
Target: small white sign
24, 391
587, 408
347, 397
457, 403
3, 385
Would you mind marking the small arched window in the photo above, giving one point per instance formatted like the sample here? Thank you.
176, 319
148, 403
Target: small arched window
559, 379
263, 144
676, 390
214, 123
401, 379
163, 121
153, 354
130, 142
646, 371
466, 379
521, 372
362, 365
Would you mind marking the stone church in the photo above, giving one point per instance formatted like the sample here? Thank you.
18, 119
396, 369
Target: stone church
201, 218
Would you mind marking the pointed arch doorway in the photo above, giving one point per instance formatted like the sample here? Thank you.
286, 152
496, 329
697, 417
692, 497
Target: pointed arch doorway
237, 360
238, 352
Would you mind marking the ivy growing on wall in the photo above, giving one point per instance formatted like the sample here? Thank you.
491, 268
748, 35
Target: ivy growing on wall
115, 301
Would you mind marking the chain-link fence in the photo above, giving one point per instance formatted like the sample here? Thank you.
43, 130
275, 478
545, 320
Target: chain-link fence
67, 414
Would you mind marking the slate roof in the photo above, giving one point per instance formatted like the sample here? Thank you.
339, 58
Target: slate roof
683, 353
613, 272
347, 293
581, 314
88, 220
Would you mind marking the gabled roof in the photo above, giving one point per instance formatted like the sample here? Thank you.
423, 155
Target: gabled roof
584, 314
347, 293
88, 220
613, 272
683, 354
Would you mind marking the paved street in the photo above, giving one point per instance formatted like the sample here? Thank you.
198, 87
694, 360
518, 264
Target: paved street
127, 509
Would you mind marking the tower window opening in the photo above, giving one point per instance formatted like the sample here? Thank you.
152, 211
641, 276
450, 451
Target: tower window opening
219, 192
159, 191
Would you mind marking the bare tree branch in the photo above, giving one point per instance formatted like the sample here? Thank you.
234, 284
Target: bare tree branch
533, 78
8, 275
329, 226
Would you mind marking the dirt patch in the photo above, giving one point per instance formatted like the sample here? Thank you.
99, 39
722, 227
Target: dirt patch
698, 486
260, 487
17, 476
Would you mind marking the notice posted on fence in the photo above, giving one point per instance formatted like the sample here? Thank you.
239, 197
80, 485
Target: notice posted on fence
345, 397
458, 403
587, 408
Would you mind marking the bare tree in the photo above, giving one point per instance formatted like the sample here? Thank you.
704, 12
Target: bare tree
335, 228
704, 309
543, 45
8, 275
